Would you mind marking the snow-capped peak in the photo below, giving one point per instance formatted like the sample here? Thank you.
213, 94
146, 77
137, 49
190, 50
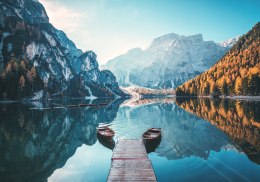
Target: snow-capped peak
229, 42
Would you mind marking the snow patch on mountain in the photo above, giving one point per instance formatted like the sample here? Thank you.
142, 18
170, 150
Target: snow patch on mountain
33, 49
229, 42
50, 39
131, 91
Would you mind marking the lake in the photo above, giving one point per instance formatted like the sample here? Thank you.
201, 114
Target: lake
202, 139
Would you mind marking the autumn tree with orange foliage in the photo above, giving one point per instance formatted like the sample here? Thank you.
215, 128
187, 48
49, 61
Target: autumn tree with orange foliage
18, 79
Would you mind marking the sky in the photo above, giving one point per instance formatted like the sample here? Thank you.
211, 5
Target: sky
112, 27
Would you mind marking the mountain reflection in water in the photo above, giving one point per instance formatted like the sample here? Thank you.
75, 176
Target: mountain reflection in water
35, 145
183, 134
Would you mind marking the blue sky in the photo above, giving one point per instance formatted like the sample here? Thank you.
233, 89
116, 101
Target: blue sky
112, 27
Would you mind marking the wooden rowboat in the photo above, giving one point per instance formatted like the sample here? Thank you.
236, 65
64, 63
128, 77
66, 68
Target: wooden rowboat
105, 132
152, 134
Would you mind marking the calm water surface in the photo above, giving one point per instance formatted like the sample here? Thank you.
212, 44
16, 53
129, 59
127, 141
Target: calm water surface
202, 140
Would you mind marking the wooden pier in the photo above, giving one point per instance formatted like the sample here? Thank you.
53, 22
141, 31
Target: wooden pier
130, 162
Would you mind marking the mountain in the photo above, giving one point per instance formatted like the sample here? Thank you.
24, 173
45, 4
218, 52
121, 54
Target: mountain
237, 73
229, 42
168, 62
29, 42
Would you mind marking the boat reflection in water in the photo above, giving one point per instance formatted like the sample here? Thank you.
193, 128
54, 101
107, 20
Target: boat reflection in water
152, 138
110, 144
151, 146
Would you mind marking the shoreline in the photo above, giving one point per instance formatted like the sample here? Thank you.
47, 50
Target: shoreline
250, 98
239, 97
244, 98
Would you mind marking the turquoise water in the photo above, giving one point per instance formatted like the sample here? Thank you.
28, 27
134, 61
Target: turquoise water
61, 144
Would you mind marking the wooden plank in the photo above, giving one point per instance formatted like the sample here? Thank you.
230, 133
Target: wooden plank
130, 162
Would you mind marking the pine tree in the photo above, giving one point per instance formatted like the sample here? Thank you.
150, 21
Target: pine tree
224, 88
8, 68
29, 76
252, 84
22, 82
238, 86
214, 90
245, 86
206, 89
33, 72
23, 65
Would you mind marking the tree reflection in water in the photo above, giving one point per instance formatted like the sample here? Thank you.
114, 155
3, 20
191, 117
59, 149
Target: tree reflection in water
34, 143
240, 120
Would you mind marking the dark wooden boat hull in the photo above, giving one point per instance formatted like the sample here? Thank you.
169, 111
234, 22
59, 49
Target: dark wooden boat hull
152, 139
105, 136
152, 135
108, 135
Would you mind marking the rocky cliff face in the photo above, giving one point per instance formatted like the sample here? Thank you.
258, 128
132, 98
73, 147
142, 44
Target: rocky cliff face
169, 61
25, 32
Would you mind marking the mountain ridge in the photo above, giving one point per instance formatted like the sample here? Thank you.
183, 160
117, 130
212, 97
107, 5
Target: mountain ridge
167, 62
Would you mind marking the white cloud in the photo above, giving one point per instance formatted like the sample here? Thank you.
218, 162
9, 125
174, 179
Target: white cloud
62, 17
89, 30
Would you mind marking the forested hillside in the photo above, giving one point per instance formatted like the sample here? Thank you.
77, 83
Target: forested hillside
237, 73
18, 79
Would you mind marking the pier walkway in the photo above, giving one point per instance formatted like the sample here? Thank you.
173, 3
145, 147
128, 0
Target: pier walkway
130, 162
